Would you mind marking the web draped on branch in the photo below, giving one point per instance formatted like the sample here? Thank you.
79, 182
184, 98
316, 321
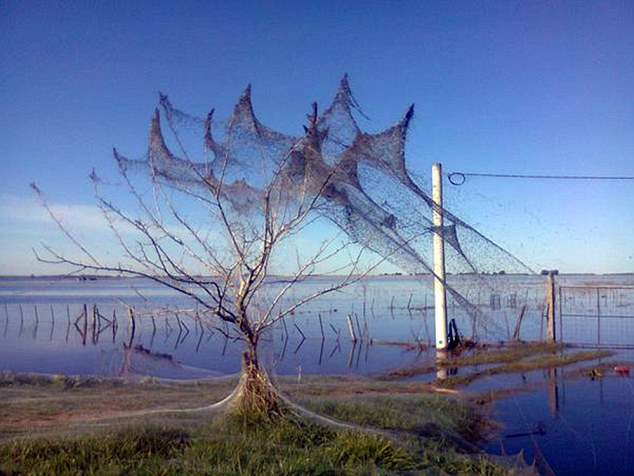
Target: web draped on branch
357, 180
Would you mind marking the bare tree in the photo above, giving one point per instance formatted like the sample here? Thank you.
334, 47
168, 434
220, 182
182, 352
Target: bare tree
212, 226
212, 229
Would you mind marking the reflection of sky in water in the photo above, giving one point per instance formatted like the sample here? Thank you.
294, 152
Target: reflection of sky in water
386, 308
589, 425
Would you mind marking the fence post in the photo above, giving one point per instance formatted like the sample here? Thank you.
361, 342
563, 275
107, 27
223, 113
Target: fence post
550, 298
131, 326
561, 316
440, 294
599, 316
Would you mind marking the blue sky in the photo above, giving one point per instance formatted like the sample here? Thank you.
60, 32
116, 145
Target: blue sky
499, 87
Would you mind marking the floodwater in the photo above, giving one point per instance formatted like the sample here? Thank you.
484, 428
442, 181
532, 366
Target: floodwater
42, 329
572, 426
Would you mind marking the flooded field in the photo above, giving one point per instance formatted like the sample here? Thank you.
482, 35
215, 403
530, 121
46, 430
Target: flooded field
42, 328
567, 423
570, 426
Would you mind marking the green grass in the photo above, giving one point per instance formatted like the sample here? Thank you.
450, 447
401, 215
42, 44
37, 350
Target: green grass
86, 425
481, 356
516, 358
288, 445
508, 353
427, 415
143, 451
399, 434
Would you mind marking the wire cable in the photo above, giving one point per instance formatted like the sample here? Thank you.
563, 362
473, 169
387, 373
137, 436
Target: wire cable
458, 178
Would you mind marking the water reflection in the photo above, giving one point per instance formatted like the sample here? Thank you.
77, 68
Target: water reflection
553, 392
44, 320
571, 425
92, 338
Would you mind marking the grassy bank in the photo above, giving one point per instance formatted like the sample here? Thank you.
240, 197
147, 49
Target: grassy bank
114, 427
288, 445
85, 425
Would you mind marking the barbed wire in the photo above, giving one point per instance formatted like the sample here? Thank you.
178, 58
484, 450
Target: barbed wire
458, 178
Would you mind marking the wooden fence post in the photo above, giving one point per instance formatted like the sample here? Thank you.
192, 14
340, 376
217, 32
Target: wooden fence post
550, 299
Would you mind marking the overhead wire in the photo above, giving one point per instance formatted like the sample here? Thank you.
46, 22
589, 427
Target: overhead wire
458, 178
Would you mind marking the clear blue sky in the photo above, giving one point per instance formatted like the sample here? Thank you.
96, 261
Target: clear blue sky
499, 87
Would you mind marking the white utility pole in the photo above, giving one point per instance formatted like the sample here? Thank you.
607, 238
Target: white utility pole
440, 294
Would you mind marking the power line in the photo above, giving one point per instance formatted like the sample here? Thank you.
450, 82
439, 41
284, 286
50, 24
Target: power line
458, 178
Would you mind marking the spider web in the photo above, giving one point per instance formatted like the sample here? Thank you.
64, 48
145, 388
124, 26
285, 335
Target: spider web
360, 180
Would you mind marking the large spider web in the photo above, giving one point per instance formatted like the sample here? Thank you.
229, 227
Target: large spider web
360, 179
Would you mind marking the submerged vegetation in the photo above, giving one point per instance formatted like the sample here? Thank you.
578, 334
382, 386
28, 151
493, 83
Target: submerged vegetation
516, 358
521, 366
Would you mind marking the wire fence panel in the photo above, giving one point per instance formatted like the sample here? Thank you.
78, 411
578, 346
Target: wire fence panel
597, 315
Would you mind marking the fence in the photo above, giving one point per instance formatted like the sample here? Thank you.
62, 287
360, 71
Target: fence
601, 316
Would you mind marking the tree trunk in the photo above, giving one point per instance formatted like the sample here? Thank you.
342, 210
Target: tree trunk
256, 396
